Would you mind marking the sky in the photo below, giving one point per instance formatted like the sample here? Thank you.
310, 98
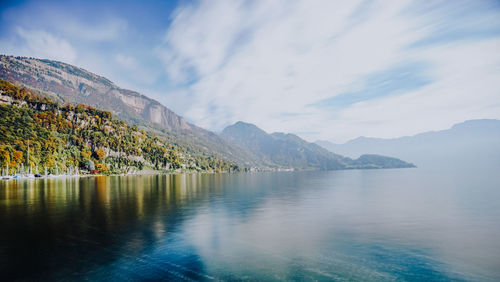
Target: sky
329, 70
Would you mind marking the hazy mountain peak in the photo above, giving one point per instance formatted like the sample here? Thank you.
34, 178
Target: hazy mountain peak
478, 123
243, 128
290, 151
472, 142
242, 124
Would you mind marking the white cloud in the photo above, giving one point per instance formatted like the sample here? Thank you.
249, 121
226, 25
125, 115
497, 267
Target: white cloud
107, 30
466, 88
128, 62
267, 62
192, 46
41, 44
253, 61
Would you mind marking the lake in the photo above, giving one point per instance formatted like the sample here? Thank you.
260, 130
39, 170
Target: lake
378, 225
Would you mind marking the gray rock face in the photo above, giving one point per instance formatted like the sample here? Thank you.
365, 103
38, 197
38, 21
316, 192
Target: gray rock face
5, 99
74, 85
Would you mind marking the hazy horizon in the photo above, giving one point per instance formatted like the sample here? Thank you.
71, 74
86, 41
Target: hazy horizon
403, 136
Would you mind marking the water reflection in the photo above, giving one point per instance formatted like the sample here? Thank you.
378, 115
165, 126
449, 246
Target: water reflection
359, 225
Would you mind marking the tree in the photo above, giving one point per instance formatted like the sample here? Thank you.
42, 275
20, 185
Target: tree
17, 157
101, 167
100, 153
85, 154
4, 155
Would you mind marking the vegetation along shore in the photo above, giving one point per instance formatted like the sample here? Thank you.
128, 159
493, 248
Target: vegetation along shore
37, 133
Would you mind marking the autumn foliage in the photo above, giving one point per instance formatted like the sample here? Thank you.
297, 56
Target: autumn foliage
70, 136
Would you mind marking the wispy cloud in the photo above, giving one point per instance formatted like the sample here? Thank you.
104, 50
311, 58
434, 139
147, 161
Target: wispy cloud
395, 80
334, 69
128, 62
107, 30
250, 61
41, 44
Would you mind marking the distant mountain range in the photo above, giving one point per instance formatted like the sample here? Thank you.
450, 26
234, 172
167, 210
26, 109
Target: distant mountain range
471, 143
241, 143
289, 150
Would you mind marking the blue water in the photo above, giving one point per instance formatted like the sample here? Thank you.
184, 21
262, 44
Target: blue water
370, 225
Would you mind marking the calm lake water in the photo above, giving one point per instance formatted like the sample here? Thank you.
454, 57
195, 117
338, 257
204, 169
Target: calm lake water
399, 224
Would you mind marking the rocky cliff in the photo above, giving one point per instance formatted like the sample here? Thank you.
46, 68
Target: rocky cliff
74, 85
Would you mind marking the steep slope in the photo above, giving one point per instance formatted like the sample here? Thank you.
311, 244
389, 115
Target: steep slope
471, 143
77, 86
290, 151
69, 84
68, 136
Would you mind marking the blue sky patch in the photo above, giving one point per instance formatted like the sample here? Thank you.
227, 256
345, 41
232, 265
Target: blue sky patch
395, 80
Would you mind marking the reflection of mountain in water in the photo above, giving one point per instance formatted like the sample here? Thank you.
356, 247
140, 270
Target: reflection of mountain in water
90, 223
310, 225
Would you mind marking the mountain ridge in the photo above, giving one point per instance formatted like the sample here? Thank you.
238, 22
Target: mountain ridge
80, 86
459, 125
289, 150
473, 140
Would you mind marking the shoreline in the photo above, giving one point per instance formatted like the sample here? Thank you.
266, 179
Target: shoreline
151, 172
112, 174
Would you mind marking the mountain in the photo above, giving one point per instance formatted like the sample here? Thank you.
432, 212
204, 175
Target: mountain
57, 136
290, 151
69, 84
72, 85
471, 143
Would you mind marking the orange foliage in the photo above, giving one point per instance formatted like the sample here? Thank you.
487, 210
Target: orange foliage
101, 154
18, 156
101, 167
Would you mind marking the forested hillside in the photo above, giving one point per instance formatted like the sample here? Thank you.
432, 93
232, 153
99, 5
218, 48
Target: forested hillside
84, 137
69, 84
